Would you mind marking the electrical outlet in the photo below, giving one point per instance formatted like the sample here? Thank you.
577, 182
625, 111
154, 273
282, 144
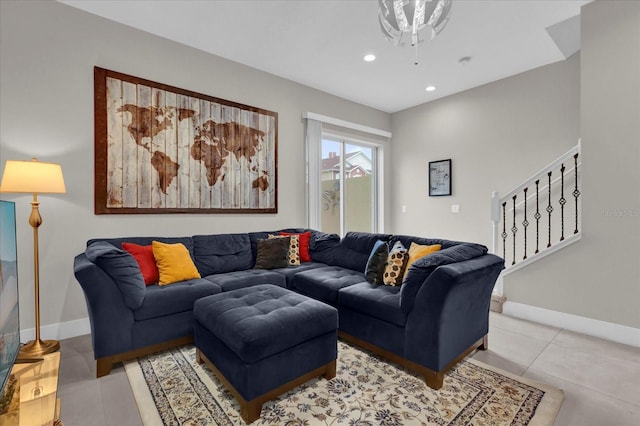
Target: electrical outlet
455, 208
404, 209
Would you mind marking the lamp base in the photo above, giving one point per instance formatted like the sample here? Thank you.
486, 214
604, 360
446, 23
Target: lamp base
37, 348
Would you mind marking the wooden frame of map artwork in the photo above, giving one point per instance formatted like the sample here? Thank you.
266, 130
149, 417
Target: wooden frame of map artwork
161, 149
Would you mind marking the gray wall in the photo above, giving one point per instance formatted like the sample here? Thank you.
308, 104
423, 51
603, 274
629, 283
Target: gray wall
48, 51
600, 276
496, 135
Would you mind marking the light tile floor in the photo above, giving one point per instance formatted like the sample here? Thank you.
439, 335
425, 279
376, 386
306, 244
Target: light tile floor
600, 379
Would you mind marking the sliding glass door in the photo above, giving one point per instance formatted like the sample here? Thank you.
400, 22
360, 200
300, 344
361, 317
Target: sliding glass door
348, 186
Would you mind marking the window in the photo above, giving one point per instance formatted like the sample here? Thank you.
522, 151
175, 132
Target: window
345, 180
347, 186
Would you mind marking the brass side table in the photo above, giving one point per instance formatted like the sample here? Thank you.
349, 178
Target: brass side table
35, 393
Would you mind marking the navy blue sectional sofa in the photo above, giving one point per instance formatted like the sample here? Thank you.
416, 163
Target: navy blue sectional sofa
437, 316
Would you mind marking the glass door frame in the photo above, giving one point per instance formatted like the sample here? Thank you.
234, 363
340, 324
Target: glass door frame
377, 152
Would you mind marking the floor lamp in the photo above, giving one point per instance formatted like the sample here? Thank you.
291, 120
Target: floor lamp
34, 177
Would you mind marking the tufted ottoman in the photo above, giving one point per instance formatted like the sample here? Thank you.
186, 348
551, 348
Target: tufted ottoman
264, 340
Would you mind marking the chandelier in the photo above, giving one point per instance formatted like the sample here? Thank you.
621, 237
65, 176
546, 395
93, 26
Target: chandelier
410, 16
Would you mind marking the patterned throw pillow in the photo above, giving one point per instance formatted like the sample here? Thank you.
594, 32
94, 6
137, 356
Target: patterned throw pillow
396, 265
294, 248
305, 239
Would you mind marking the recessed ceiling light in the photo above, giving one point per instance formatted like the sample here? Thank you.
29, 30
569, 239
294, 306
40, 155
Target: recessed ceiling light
430, 88
370, 57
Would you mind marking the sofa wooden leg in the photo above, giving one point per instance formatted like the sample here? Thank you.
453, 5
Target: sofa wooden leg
434, 380
199, 359
103, 367
485, 343
330, 372
250, 410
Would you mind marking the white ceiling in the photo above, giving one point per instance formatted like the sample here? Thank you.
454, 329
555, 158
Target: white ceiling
321, 43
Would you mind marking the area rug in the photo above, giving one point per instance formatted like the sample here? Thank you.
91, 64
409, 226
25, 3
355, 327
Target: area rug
170, 388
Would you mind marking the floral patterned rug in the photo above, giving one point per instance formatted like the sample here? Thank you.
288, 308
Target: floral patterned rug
172, 389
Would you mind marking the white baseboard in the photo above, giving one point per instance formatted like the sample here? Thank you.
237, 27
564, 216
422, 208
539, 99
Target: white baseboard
59, 331
592, 327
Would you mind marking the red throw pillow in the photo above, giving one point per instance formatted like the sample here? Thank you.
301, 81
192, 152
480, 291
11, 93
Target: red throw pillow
304, 244
144, 256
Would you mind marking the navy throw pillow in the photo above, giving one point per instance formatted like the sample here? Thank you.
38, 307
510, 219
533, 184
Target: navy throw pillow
377, 262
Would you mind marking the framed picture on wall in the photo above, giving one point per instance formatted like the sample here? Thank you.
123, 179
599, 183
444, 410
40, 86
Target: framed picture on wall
161, 149
439, 178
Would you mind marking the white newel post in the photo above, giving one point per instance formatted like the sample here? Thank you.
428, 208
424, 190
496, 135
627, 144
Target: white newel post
495, 224
495, 220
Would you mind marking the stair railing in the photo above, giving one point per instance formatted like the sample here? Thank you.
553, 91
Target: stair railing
548, 201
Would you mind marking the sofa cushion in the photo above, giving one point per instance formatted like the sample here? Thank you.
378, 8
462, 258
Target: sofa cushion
322, 247
377, 262
291, 271
122, 268
253, 240
323, 283
144, 256
379, 301
396, 265
174, 263
418, 273
248, 278
161, 301
355, 248
217, 254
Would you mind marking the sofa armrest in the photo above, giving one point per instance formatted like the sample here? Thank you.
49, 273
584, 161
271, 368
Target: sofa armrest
420, 270
111, 320
451, 311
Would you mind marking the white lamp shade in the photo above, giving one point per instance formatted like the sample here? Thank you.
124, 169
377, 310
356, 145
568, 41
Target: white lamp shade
35, 177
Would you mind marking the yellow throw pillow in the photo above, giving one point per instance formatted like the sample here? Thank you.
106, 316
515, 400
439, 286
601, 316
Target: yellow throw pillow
174, 263
417, 251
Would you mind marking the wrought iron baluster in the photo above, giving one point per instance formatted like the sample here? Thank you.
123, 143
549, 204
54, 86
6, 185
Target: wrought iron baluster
514, 229
549, 210
525, 223
576, 193
563, 201
537, 216
543, 203
504, 230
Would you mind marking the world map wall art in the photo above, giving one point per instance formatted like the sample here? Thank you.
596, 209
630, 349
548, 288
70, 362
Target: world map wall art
161, 149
